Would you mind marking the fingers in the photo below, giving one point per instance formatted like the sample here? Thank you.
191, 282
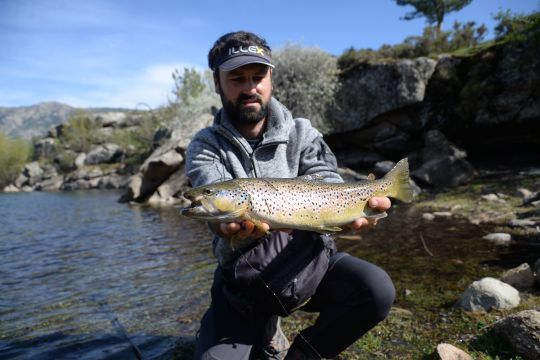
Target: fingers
381, 203
363, 223
241, 231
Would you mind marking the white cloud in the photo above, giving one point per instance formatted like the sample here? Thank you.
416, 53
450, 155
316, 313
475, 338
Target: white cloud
151, 86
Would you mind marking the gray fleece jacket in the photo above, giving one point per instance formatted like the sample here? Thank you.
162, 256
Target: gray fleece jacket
289, 148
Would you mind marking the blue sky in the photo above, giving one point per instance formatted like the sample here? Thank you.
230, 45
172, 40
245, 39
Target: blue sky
119, 53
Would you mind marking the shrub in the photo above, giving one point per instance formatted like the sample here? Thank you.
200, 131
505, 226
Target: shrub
306, 80
194, 96
80, 132
14, 153
515, 26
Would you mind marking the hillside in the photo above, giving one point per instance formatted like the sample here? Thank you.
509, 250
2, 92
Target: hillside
34, 121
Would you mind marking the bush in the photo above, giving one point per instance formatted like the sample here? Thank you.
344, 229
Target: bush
194, 96
80, 132
14, 153
306, 81
515, 26
430, 43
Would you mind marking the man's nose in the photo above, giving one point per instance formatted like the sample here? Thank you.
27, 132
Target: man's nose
250, 86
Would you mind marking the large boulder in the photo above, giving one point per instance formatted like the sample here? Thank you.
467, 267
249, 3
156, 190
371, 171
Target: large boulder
442, 163
163, 162
487, 294
103, 154
370, 90
522, 331
33, 173
520, 277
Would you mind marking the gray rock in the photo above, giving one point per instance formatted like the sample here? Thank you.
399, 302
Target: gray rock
113, 181
428, 216
11, 189
501, 239
487, 294
492, 198
44, 148
168, 192
444, 214
520, 277
522, 332
443, 164
349, 175
111, 119
374, 89
51, 184
521, 223
383, 167
531, 198
103, 154
450, 352
33, 173
163, 162
21, 181
80, 160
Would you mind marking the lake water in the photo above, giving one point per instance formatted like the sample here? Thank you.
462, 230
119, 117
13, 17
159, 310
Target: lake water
82, 276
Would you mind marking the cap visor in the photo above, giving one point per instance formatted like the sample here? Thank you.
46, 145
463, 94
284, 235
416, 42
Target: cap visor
236, 62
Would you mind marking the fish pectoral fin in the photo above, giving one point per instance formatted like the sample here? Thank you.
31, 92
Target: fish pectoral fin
374, 214
328, 229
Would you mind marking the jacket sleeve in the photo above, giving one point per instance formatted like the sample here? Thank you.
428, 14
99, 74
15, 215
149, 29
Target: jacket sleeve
316, 157
204, 161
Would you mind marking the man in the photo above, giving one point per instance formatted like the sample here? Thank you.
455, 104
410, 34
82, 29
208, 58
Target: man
253, 135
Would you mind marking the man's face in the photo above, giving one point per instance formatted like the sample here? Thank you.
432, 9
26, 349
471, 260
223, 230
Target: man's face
245, 93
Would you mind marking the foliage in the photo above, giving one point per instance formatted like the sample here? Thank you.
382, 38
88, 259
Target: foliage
306, 81
194, 96
13, 155
80, 132
431, 42
515, 26
433, 10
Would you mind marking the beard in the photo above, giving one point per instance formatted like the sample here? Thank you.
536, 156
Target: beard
245, 115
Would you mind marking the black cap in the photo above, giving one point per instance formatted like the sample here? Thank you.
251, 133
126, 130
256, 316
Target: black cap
236, 56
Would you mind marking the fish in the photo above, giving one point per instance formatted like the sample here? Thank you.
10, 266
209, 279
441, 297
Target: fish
305, 203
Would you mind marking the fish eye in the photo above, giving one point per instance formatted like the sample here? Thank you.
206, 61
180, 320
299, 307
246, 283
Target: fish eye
207, 192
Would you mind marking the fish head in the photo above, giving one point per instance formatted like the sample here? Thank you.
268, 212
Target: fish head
223, 201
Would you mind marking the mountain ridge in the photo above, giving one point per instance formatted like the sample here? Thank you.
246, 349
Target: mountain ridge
30, 121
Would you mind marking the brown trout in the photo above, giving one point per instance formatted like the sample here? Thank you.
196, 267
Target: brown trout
305, 202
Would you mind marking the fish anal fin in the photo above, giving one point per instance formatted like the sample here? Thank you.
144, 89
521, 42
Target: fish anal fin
328, 229
374, 214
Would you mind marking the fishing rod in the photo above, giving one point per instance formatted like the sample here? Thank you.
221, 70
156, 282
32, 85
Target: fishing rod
117, 325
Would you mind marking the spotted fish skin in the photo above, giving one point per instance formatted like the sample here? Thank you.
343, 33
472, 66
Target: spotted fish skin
306, 202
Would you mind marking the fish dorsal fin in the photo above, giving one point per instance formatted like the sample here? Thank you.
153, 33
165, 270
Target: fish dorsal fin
311, 177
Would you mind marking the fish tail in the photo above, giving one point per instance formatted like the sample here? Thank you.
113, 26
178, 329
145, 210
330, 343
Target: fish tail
400, 187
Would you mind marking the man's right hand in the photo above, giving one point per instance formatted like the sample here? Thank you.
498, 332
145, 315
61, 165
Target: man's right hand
241, 231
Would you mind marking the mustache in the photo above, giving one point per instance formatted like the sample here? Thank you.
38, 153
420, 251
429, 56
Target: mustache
244, 97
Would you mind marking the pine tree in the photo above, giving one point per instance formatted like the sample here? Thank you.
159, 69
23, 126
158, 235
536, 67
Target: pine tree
433, 10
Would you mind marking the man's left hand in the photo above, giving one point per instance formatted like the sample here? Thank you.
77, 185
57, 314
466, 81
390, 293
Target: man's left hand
379, 203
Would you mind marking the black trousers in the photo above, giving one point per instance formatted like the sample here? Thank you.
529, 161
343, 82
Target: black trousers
352, 298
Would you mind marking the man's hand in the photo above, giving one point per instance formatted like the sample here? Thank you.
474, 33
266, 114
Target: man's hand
379, 203
241, 231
